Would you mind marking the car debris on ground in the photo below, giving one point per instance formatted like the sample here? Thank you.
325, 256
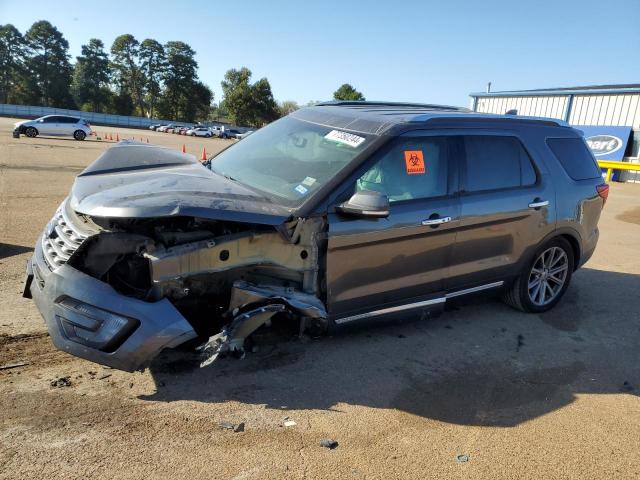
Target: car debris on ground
9, 366
329, 443
61, 382
237, 428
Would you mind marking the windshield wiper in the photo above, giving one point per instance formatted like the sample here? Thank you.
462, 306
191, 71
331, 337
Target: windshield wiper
222, 174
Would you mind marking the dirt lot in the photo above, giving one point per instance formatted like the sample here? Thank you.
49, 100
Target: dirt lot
522, 396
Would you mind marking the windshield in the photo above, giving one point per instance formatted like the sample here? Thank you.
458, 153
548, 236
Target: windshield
289, 159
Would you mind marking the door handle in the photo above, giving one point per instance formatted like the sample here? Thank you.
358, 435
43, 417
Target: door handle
436, 221
538, 203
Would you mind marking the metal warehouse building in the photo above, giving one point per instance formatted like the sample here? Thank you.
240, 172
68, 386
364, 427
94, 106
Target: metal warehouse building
597, 110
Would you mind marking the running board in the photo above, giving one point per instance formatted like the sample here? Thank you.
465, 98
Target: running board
416, 305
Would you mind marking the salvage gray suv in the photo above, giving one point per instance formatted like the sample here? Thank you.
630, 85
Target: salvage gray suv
336, 214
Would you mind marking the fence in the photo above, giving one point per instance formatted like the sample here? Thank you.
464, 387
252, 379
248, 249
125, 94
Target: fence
27, 111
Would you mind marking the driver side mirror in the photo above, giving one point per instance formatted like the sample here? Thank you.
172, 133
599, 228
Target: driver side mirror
366, 204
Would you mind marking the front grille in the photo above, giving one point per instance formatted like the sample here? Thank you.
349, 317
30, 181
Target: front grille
60, 239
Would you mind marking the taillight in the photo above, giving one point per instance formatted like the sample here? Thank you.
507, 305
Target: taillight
603, 192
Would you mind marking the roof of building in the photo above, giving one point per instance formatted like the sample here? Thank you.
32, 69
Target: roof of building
581, 90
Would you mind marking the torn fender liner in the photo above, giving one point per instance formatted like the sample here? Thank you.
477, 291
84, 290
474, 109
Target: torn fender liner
232, 337
305, 304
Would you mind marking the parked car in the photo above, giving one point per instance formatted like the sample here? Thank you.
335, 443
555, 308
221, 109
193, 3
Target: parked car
240, 136
200, 132
56, 126
310, 222
218, 131
163, 128
232, 133
154, 127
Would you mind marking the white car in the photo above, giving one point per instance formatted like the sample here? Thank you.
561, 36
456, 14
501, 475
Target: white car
218, 131
200, 132
55, 125
163, 128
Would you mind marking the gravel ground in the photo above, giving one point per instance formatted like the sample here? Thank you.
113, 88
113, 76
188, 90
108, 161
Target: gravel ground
480, 392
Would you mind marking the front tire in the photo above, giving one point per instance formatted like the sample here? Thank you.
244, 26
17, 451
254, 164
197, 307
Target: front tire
31, 132
544, 280
79, 135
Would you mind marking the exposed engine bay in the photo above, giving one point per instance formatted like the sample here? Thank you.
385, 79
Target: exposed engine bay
227, 279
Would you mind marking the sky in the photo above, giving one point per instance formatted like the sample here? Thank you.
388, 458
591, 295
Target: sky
416, 51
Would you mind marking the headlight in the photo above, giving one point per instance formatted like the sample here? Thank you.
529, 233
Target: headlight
93, 326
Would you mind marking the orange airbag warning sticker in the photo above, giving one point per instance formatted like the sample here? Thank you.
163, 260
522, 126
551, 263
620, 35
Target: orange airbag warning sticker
414, 162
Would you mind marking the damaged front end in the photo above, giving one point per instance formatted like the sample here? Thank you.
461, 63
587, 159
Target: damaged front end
118, 285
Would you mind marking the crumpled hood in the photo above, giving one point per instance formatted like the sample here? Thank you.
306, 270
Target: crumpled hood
136, 180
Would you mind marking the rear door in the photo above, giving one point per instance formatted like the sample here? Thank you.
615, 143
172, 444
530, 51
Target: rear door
376, 265
507, 207
67, 125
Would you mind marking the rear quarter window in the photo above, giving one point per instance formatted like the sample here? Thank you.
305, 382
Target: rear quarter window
575, 157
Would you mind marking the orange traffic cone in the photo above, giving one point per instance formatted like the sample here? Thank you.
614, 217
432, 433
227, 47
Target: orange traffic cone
184, 149
117, 137
111, 137
147, 140
204, 154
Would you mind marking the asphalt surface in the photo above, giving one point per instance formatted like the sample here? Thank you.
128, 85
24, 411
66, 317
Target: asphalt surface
481, 392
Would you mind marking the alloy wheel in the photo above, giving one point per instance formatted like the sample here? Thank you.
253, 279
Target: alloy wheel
548, 276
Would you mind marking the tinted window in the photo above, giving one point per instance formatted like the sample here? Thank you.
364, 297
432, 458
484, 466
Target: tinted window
50, 120
494, 162
575, 157
413, 167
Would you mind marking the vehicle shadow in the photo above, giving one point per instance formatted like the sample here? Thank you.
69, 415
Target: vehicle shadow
9, 250
480, 363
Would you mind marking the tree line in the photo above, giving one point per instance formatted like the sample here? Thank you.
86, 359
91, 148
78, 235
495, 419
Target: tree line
144, 78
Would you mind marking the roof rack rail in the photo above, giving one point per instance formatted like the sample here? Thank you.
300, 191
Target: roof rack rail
365, 103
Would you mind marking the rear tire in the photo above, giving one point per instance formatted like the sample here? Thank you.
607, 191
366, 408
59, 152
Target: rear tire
31, 132
544, 280
79, 135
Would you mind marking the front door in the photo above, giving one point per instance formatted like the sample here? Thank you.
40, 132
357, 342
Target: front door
375, 265
48, 125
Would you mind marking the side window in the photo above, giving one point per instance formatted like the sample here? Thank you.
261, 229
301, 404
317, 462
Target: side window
50, 120
412, 167
494, 162
575, 157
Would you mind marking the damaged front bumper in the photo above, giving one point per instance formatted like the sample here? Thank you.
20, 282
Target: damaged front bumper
89, 319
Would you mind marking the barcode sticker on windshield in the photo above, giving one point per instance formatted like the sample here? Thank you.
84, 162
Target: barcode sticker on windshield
344, 138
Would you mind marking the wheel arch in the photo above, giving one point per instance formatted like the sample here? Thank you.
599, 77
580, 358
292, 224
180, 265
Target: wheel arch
568, 234
575, 246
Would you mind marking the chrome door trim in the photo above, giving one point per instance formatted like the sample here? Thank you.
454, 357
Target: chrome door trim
424, 303
479, 288
399, 308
